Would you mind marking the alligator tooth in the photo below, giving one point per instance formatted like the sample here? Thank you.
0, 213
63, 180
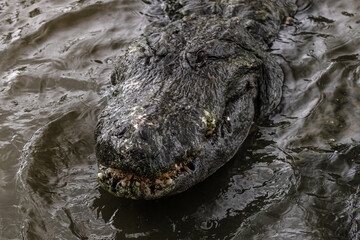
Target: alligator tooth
147, 191
123, 183
168, 181
177, 168
101, 176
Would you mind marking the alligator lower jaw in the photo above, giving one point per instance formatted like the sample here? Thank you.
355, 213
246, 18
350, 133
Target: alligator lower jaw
128, 185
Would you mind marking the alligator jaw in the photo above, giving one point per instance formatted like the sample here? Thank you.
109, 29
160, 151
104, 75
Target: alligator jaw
129, 185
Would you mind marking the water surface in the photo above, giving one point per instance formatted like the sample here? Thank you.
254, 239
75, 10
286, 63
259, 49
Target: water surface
296, 177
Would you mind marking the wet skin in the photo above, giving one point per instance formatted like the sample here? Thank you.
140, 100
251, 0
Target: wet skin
186, 94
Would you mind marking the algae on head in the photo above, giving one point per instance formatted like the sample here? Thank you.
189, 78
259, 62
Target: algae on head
210, 122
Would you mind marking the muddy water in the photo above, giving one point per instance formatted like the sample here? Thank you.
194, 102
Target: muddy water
296, 177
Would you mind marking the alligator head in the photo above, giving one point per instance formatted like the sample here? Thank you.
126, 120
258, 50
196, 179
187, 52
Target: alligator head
185, 96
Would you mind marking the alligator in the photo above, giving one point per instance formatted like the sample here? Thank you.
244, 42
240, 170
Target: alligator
186, 93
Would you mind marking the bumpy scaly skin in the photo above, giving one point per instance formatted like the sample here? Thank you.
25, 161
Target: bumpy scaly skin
186, 94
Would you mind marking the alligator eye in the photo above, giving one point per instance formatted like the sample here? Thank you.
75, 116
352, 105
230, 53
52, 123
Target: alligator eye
196, 59
200, 56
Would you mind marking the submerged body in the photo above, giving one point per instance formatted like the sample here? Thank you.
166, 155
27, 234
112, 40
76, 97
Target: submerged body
186, 94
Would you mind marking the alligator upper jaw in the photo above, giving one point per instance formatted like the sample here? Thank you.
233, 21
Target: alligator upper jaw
129, 185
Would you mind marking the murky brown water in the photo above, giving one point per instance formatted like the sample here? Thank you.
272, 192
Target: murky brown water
295, 177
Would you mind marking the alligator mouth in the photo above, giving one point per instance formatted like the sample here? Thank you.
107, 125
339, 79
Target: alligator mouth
129, 185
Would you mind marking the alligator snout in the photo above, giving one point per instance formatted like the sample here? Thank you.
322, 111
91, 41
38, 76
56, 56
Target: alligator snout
145, 157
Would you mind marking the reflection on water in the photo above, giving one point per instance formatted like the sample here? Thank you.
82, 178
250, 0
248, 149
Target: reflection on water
296, 177
56, 57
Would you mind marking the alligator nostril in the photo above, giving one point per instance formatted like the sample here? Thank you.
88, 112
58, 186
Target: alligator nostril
120, 131
200, 58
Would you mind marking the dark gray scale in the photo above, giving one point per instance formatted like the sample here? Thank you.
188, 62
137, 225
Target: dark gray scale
186, 94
